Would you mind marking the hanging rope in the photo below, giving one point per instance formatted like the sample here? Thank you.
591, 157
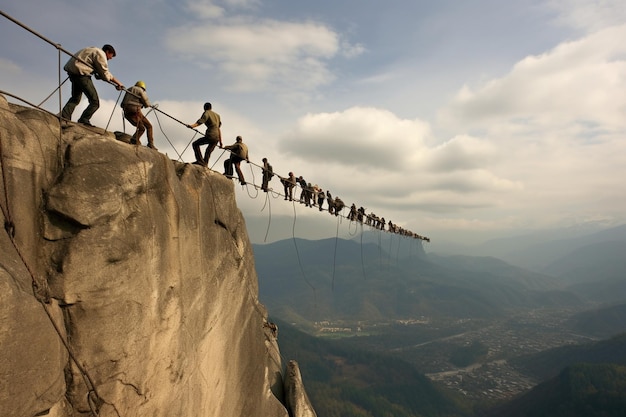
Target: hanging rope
112, 112
362, 260
156, 116
295, 243
52, 93
335, 256
9, 226
269, 218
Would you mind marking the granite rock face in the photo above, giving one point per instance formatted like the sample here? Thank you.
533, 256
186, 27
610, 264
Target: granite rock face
129, 286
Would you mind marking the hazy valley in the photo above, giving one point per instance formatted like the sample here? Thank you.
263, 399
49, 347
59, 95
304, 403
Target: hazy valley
473, 325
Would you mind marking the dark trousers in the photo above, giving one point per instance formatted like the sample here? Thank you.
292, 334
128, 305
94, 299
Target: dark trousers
235, 161
205, 140
81, 84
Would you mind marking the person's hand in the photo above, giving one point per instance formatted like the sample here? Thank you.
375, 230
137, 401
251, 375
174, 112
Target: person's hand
189, 126
119, 87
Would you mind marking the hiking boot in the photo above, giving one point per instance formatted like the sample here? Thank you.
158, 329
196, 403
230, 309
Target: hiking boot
151, 146
86, 123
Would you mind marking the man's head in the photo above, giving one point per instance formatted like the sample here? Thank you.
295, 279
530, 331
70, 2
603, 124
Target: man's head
264, 160
109, 51
207, 106
239, 139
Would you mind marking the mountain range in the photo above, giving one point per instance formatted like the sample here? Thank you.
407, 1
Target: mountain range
380, 275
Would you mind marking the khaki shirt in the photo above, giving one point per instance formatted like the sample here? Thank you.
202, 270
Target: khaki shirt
212, 122
240, 149
135, 97
95, 59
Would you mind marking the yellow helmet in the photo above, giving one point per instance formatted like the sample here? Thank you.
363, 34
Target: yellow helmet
141, 84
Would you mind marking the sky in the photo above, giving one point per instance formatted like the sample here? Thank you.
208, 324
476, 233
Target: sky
460, 120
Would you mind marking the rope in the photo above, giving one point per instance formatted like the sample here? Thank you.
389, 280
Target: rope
362, 261
269, 218
113, 111
398, 252
293, 232
332, 287
156, 116
9, 226
54, 91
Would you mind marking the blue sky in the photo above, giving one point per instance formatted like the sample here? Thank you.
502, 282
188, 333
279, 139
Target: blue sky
459, 120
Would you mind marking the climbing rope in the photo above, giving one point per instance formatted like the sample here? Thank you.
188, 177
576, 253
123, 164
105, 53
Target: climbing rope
113, 111
362, 260
54, 91
156, 116
332, 286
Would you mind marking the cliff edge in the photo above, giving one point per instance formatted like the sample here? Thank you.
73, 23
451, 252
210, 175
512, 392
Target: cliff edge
127, 282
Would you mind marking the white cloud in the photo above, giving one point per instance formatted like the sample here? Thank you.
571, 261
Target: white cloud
385, 163
365, 137
577, 81
205, 9
259, 55
589, 15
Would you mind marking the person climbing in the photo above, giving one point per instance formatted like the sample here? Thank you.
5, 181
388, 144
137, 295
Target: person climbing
361, 214
320, 199
239, 152
353, 213
338, 205
79, 68
303, 185
134, 99
330, 201
315, 190
308, 195
288, 184
268, 173
212, 137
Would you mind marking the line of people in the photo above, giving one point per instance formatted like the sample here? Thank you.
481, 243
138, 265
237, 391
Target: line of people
314, 196
94, 61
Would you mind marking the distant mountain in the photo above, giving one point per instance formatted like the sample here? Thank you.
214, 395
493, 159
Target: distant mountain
496, 269
345, 381
596, 271
342, 279
582, 390
538, 250
604, 322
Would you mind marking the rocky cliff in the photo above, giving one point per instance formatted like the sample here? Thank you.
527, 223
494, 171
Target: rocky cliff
127, 283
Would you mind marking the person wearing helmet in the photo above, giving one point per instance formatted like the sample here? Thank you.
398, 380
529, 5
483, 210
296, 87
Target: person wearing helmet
134, 99
79, 69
